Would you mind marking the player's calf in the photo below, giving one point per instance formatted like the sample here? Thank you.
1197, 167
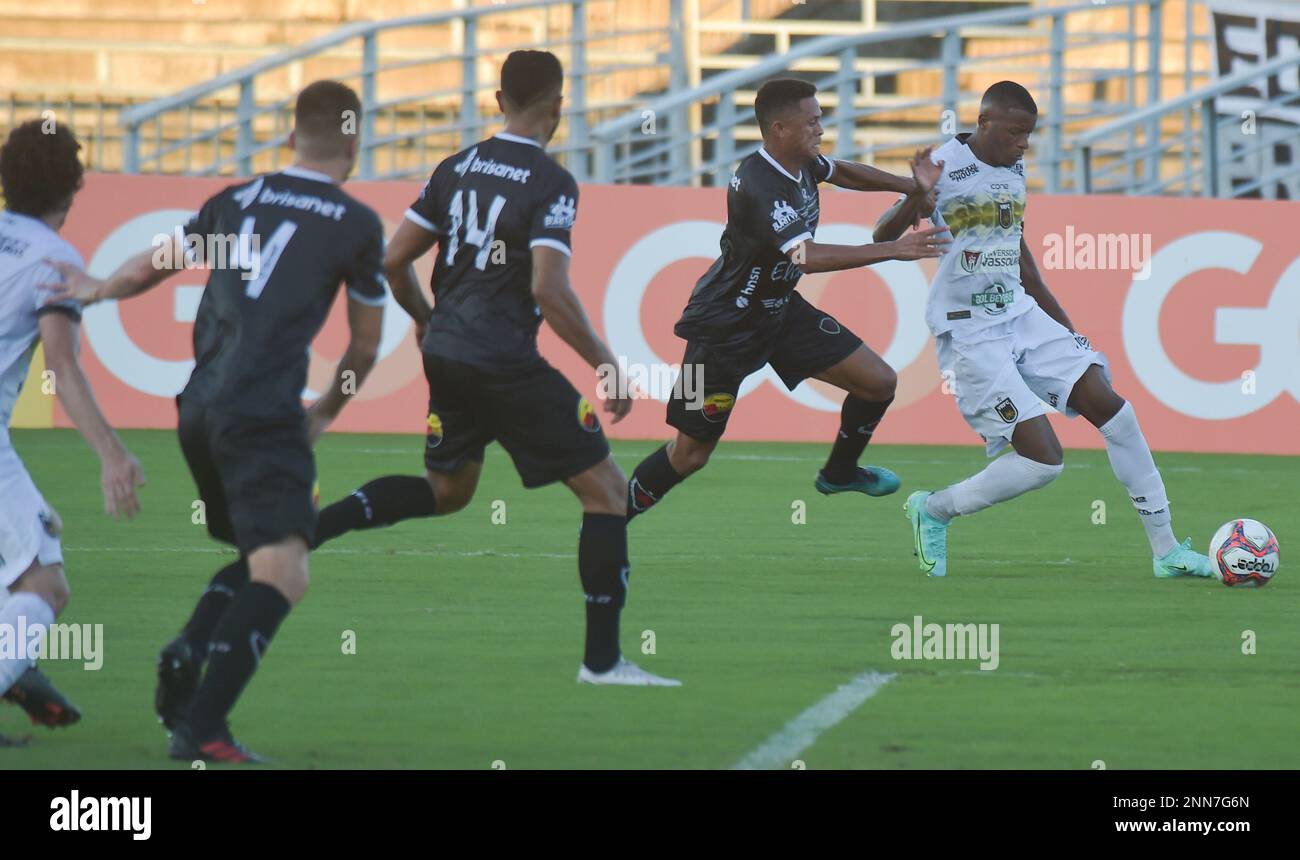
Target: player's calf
665, 469
391, 499
36, 598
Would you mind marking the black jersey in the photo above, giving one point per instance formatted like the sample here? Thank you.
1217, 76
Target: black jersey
490, 205
743, 295
279, 248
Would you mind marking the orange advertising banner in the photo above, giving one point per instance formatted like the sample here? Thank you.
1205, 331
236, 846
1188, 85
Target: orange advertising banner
1196, 304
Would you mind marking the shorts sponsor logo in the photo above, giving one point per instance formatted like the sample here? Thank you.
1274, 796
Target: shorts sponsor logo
717, 406
587, 419
433, 431
964, 173
1007, 410
829, 326
993, 300
783, 215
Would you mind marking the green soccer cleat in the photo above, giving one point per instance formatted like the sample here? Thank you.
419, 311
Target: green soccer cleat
929, 535
1182, 561
872, 480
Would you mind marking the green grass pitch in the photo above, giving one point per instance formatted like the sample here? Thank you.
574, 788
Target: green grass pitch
468, 633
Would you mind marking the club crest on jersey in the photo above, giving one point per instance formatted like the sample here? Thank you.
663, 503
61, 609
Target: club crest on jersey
993, 299
783, 215
1004, 214
433, 431
716, 406
562, 214
587, 419
1007, 410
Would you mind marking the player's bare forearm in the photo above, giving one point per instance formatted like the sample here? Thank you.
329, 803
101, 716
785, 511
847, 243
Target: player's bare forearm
406, 290
903, 214
59, 336
1036, 288
366, 324
864, 177
564, 313
819, 257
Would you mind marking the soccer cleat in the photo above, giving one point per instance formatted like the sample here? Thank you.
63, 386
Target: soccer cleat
179, 670
873, 480
45, 705
625, 673
221, 747
1182, 561
929, 535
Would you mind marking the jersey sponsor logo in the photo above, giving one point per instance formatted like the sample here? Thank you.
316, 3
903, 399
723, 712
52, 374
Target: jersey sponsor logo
742, 300
471, 163
974, 260
1018, 168
1007, 410
1053, 398
958, 315
562, 214
246, 197
993, 299
783, 215
302, 202
13, 246
963, 173
587, 419
717, 407
433, 431
776, 304
735, 182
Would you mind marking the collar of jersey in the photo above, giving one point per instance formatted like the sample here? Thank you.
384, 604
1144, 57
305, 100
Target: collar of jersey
302, 173
514, 138
772, 161
28, 219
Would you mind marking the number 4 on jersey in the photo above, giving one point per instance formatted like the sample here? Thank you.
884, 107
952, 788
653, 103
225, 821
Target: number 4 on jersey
474, 235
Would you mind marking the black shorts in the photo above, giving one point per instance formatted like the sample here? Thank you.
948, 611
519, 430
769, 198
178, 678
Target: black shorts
808, 343
255, 475
550, 430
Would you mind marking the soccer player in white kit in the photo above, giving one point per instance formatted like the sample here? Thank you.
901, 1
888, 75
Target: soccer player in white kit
40, 174
1010, 346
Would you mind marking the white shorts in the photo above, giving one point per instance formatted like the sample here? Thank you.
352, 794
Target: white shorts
28, 527
1012, 371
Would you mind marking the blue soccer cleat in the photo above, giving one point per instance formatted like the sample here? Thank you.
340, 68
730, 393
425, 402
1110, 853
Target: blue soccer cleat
1182, 561
872, 480
929, 535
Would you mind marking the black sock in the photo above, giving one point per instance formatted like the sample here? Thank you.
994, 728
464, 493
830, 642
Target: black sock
382, 502
654, 477
603, 567
212, 604
238, 644
858, 420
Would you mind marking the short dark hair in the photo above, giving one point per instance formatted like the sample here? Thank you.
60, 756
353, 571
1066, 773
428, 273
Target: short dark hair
777, 96
530, 76
39, 169
320, 118
1009, 94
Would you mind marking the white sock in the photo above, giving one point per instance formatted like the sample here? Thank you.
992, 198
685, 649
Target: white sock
1005, 478
1131, 461
37, 615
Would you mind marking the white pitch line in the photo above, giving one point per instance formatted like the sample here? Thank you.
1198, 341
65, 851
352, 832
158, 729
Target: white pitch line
801, 732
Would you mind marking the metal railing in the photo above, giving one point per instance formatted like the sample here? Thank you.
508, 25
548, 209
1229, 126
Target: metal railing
1082, 74
1222, 153
412, 127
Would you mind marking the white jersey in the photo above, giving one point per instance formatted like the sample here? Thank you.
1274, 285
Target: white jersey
978, 282
24, 243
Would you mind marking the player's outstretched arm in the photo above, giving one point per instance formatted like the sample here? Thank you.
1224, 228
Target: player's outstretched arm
864, 177
918, 204
1037, 288
818, 257
138, 274
409, 243
562, 310
121, 472
366, 323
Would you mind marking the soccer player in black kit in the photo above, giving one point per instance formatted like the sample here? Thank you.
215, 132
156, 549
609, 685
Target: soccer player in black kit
501, 213
745, 313
294, 236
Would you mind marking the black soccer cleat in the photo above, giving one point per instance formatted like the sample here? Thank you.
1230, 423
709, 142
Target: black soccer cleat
179, 669
45, 705
221, 747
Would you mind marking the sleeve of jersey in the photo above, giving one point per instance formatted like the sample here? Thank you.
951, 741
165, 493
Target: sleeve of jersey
65, 253
823, 168
422, 212
778, 222
366, 283
554, 216
202, 224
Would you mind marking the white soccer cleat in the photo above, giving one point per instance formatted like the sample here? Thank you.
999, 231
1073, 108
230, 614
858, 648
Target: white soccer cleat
626, 673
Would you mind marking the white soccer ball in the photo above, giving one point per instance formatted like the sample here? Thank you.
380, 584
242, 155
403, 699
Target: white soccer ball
1244, 553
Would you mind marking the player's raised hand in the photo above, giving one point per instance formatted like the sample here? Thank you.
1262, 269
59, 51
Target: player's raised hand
926, 172
77, 286
920, 244
122, 473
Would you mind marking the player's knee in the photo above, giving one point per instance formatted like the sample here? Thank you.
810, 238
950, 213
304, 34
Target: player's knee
450, 494
690, 456
883, 386
48, 583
